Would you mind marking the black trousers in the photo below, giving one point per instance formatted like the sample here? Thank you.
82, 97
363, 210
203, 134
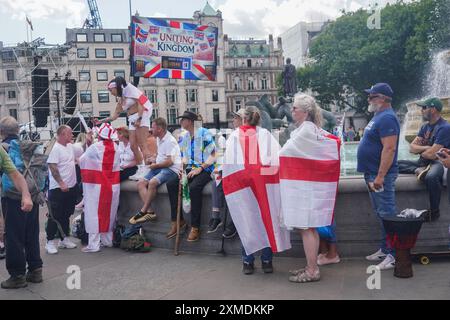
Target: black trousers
128, 172
196, 185
21, 237
62, 205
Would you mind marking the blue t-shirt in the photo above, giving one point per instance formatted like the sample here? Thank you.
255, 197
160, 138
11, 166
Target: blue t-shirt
383, 124
438, 133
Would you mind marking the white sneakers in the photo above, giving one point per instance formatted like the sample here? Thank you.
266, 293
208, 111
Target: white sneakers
141, 173
387, 263
388, 260
51, 247
90, 250
322, 260
377, 256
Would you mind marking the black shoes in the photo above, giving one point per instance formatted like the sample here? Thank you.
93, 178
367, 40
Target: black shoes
230, 232
14, 282
248, 268
34, 276
214, 224
267, 267
431, 215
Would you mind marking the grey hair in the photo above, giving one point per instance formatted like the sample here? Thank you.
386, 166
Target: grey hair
9, 126
252, 116
310, 106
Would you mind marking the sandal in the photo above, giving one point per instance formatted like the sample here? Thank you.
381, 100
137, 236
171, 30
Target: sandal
304, 276
296, 271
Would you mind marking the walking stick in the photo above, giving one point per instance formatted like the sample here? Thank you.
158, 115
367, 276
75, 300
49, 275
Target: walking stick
222, 249
180, 189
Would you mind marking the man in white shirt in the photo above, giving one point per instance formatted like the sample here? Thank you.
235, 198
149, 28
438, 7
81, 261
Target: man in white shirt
62, 192
164, 168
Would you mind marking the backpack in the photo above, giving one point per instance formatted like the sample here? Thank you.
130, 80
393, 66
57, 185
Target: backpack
133, 239
117, 235
79, 229
31, 162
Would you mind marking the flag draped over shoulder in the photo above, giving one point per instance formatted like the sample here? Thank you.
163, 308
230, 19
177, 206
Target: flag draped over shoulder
130, 91
309, 177
100, 173
251, 185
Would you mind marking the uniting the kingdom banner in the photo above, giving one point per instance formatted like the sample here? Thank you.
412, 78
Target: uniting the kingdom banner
173, 49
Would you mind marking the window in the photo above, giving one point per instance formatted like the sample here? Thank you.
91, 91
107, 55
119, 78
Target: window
117, 53
237, 83
116, 37
235, 63
237, 105
191, 95
155, 114
193, 109
152, 95
81, 37
100, 53
119, 73
104, 114
11, 94
216, 116
264, 83
10, 76
13, 113
83, 53
215, 95
250, 83
102, 75
85, 96
84, 75
99, 37
103, 96
172, 114
171, 96
249, 63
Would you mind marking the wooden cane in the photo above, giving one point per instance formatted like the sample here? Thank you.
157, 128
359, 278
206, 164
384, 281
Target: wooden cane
180, 189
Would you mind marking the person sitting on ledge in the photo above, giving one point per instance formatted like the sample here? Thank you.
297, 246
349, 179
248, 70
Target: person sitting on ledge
128, 164
198, 151
166, 167
434, 135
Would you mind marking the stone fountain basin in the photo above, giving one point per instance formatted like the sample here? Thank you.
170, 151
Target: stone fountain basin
358, 230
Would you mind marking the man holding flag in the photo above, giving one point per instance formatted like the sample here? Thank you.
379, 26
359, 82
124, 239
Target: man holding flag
251, 186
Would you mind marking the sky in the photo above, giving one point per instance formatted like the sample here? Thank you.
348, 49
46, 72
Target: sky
242, 18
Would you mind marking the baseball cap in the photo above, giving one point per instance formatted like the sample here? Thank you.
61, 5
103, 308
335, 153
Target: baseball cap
431, 103
381, 88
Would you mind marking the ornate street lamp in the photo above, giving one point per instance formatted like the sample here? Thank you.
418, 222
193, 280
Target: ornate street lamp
56, 85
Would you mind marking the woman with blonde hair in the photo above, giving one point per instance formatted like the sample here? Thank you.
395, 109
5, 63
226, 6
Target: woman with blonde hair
309, 176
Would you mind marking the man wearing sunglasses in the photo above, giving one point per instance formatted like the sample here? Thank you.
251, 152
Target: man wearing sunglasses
434, 135
377, 159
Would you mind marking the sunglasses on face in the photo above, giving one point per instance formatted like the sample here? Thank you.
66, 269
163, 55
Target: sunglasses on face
373, 97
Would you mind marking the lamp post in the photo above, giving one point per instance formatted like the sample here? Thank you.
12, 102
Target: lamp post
56, 85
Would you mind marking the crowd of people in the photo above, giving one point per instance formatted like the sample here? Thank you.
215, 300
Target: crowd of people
269, 190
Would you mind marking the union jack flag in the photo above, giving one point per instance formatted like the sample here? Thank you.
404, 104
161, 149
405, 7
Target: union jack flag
212, 40
199, 35
141, 34
203, 46
154, 30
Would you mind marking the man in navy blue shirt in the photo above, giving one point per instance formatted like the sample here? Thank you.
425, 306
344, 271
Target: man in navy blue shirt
434, 135
377, 159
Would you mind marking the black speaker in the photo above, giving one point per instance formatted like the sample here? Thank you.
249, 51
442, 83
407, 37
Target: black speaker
41, 97
71, 96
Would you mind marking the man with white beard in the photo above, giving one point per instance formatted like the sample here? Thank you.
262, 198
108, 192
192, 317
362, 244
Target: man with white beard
377, 159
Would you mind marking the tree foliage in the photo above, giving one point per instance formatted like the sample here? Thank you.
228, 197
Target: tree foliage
349, 57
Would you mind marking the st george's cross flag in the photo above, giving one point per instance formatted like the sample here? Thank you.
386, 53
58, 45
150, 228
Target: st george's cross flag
100, 174
251, 185
309, 177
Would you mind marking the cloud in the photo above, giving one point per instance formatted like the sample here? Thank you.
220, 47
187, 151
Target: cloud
71, 12
259, 18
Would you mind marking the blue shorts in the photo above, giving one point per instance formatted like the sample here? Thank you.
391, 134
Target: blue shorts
162, 175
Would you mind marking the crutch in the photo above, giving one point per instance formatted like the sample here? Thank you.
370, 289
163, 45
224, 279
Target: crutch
177, 238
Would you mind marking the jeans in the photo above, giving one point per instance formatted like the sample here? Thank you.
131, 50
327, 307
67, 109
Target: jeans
22, 238
433, 179
128, 172
384, 204
62, 206
266, 255
196, 185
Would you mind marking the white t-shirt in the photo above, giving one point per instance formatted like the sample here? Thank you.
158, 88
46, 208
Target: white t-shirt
64, 158
126, 154
168, 147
